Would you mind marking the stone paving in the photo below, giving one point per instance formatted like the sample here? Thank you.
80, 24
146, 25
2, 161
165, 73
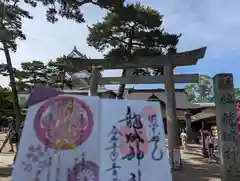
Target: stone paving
195, 167
5, 161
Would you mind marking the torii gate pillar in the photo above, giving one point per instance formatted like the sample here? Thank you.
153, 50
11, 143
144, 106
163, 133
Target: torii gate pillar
171, 115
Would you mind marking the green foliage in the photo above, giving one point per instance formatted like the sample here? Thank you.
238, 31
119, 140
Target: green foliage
36, 72
131, 32
237, 93
202, 91
11, 16
70, 9
56, 73
19, 76
5, 99
135, 31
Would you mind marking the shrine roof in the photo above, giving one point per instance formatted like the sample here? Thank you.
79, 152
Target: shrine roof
181, 97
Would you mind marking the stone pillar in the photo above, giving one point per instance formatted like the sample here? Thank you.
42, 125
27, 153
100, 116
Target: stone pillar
227, 130
189, 127
94, 80
171, 115
203, 137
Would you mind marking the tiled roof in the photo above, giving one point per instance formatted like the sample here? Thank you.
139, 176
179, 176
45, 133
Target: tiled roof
76, 54
181, 97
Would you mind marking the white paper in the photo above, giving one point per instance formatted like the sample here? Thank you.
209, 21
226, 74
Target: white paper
115, 167
63, 160
69, 150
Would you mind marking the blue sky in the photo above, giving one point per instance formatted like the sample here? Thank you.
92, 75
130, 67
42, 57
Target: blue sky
211, 23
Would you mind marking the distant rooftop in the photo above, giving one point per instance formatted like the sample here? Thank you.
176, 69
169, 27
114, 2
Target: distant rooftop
146, 94
76, 54
77, 77
181, 99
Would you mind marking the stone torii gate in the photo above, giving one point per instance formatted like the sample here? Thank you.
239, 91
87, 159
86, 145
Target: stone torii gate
168, 61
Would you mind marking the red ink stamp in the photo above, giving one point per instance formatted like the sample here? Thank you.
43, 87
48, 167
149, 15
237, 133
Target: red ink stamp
147, 113
63, 119
125, 144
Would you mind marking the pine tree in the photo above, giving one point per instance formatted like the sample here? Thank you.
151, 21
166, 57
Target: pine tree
135, 31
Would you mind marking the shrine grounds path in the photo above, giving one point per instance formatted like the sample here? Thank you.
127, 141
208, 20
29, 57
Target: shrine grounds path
5, 161
195, 167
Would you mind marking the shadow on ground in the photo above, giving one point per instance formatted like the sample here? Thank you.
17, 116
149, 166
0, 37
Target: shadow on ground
5, 171
192, 172
196, 168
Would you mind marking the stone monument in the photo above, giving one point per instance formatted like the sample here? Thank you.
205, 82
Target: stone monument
229, 141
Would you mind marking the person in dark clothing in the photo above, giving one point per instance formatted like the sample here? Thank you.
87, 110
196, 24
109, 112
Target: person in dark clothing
12, 133
20, 130
19, 136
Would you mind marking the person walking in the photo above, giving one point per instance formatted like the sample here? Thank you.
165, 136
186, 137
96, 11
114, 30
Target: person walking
210, 142
19, 136
183, 137
12, 133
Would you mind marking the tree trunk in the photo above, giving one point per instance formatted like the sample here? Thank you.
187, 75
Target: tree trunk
129, 56
122, 86
5, 142
34, 79
16, 106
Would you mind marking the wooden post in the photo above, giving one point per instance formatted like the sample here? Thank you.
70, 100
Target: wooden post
94, 80
203, 136
227, 130
189, 127
171, 115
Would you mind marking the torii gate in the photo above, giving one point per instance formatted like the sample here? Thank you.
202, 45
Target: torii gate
168, 61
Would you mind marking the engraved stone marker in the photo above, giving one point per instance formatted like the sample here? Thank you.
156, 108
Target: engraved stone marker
229, 141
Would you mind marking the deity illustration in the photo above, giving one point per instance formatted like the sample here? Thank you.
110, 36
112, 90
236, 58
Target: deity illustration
63, 122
